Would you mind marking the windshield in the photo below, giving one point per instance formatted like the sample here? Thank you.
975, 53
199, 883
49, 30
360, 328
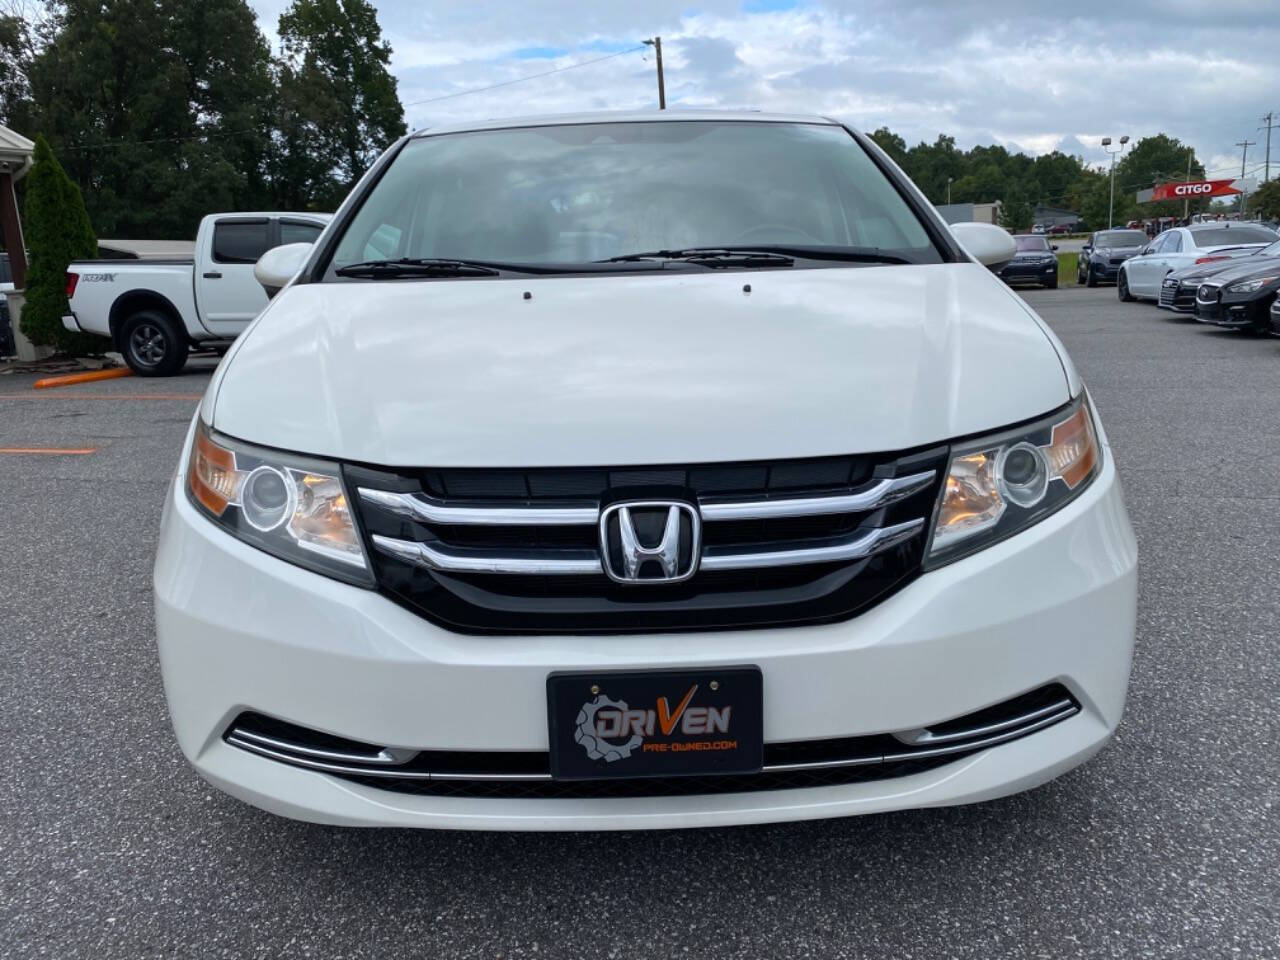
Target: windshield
1221, 236
581, 193
1034, 244
1121, 238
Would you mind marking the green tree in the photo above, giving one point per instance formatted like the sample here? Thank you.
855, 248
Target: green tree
892, 144
340, 106
57, 232
1016, 211
1265, 201
1153, 160
159, 108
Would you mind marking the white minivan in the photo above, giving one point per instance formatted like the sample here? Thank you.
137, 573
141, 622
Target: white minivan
641, 470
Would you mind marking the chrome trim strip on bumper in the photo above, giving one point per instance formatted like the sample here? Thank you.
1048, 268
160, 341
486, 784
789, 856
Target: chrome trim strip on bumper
387, 755
879, 494
977, 738
236, 739
1069, 711
925, 736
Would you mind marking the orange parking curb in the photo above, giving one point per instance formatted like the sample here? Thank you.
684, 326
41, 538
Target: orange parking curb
51, 451
88, 376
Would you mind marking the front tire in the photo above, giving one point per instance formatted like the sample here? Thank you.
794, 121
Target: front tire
1051, 284
1091, 279
152, 344
1122, 288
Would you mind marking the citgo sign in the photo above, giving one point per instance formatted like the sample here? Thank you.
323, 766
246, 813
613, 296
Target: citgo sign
1195, 188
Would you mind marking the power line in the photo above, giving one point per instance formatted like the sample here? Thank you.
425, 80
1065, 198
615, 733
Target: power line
532, 76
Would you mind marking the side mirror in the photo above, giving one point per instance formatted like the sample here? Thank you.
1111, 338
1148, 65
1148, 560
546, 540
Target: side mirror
279, 265
988, 244
1053, 246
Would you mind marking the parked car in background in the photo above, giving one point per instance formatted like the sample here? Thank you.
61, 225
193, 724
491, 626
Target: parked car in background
1035, 262
1104, 251
1178, 292
1142, 277
1058, 229
665, 470
155, 311
1241, 297
1038, 229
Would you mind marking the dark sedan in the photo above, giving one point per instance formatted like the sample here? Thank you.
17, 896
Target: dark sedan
1242, 296
1275, 318
1035, 262
1104, 251
1178, 291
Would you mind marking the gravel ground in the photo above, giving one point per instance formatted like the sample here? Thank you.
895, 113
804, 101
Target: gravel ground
1165, 845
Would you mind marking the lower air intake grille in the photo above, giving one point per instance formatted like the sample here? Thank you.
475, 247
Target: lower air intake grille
787, 766
751, 544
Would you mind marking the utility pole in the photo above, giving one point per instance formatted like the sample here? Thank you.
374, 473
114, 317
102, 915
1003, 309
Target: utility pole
1244, 154
1269, 127
656, 43
1186, 201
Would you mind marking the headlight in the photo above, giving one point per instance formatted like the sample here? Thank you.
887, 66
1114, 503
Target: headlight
293, 507
1001, 484
1250, 286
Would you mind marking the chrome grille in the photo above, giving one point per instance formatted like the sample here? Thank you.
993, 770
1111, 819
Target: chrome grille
520, 551
526, 774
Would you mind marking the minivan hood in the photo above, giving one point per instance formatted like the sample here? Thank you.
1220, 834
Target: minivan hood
637, 369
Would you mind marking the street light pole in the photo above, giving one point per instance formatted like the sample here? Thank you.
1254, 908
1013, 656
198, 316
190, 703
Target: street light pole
1106, 142
656, 43
949, 191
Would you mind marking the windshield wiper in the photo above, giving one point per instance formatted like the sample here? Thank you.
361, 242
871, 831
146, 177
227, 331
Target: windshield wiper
711, 257
774, 254
416, 267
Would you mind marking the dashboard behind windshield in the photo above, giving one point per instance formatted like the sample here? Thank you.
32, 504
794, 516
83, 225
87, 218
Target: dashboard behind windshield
581, 193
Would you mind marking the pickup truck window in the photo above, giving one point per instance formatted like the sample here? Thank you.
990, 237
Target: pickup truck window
241, 241
584, 193
292, 231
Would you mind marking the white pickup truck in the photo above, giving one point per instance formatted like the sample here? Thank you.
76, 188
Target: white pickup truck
157, 311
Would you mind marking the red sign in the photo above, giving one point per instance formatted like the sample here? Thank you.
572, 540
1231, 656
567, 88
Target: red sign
1195, 188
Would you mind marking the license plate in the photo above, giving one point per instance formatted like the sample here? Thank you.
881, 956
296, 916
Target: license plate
666, 723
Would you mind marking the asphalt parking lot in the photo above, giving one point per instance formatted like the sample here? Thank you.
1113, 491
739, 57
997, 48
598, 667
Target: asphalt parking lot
1165, 845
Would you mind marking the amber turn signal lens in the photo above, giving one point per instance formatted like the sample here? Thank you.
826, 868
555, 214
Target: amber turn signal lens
211, 474
1073, 448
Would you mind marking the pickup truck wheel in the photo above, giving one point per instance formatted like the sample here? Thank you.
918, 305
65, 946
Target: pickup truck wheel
152, 344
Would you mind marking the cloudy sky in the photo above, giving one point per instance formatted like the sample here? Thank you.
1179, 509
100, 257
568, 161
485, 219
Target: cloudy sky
1030, 75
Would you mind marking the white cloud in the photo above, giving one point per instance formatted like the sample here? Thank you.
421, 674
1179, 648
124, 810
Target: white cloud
1028, 75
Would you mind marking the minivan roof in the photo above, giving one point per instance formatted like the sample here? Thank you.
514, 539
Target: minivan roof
623, 116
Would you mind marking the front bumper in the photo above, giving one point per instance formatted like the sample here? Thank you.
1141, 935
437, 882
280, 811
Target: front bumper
1232, 315
240, 630
1105, 269
1029, 272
